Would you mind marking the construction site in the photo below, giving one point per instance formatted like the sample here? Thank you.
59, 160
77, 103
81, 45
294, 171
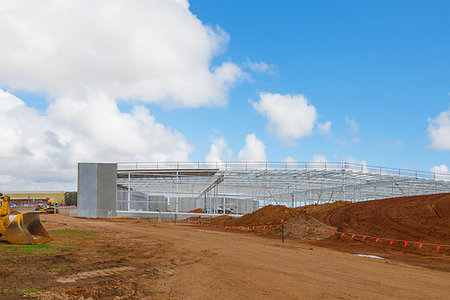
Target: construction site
234, 230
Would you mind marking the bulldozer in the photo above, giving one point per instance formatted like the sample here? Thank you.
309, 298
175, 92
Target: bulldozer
21, 228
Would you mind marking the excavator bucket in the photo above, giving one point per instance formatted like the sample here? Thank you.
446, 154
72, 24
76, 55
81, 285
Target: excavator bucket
26, 228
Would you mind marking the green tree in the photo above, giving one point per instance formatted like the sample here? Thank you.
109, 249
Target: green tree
70, 198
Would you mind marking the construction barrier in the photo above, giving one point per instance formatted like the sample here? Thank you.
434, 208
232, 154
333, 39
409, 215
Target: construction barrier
340, 234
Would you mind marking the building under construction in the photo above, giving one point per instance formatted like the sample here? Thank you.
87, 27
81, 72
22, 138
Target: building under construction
242, 187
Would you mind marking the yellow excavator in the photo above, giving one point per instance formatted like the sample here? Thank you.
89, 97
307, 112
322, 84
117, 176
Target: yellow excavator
21, 228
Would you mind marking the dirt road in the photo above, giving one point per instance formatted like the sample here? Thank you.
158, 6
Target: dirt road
103, 259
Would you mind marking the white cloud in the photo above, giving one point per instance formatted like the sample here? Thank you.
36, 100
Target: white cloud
439, 131
86, 55
254, 150
325, 128
356, 164
319, 158
289, 159
439, 169
291, 162
290, 116
154, 51
261, 67
318, 162
354, 127
441, 172
42, 151
217, 150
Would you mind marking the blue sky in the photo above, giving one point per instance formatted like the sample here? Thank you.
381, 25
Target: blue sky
383, 65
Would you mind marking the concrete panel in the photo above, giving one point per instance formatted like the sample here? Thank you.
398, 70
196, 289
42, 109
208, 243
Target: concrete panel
106, 190
97, 190
87, 190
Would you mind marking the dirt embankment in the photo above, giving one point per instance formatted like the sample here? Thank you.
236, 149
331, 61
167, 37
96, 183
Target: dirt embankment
423, 218
266, 219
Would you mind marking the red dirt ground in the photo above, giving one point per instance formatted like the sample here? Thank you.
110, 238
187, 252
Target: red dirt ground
417, 218
141, 259
423, 219
274, 215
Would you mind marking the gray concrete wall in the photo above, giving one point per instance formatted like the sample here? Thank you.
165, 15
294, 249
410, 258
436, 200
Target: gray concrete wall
97, 183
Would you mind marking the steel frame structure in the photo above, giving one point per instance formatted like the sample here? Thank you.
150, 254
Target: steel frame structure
287, 183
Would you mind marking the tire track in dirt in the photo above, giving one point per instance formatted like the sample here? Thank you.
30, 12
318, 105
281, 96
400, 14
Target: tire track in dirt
95, 273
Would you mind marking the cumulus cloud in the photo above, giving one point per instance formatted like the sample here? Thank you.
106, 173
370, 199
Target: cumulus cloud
441, 172
319, 158
254, 149
218, 150
291, 162
261, 67
41, 151
290, 116
318, 162
85, 56
439, 169
289, 159
439, 131
155, 51
324, 128
356, 164
354, 127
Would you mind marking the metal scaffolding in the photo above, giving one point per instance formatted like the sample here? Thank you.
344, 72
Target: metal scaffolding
211, 185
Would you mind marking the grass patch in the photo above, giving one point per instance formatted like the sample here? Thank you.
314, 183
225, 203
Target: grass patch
60, 269
56, 270
65, 247
28, 250
8, 246
5, 291
31, 290
15, 250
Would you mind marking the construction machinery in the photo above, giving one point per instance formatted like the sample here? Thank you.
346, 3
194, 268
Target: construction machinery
21, 228
52, 207
49, 208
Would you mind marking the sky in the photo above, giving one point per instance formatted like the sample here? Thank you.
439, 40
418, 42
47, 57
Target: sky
170, 80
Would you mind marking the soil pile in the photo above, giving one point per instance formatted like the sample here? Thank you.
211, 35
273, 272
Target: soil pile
197, 211
315, 209
268, 215
424, 218
274, 215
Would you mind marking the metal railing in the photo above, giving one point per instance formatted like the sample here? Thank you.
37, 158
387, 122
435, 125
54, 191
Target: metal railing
266, 165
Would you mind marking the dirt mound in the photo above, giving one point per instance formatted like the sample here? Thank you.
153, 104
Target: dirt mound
268, 215
315, 209
197, 211
273, 215
423, 218
302, 227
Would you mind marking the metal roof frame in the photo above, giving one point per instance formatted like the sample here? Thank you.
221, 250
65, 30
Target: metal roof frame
279, 182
